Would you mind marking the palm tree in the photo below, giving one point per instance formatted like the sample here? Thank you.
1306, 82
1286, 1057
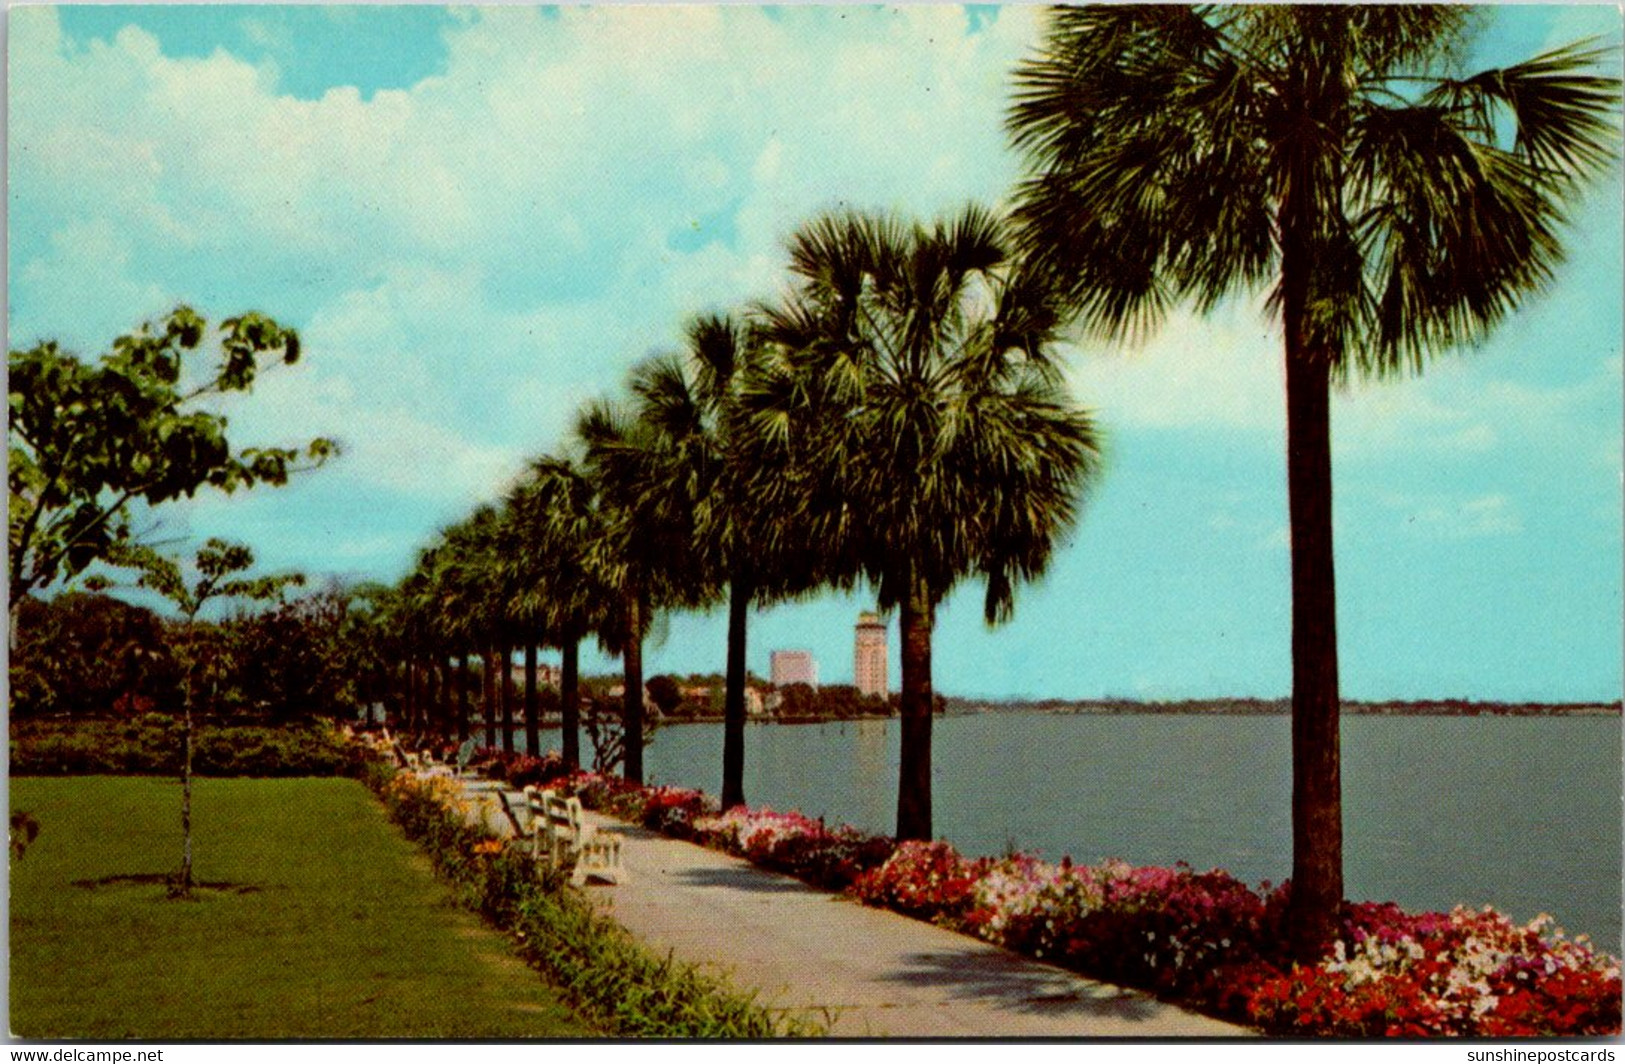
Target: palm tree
692, 402
647, 547
1191, 153
555, 510
934, 439
517, 565
479, 589
455, 579
413, 609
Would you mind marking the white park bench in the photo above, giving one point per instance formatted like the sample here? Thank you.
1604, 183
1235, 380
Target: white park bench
458, 769
559, 831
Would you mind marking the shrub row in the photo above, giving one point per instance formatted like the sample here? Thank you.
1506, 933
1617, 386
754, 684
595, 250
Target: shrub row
1203, 939
602, 970
152, 745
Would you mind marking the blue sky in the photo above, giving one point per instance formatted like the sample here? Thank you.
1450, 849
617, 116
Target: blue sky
480, 218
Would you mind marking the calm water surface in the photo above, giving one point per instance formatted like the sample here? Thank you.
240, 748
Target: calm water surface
1520, 812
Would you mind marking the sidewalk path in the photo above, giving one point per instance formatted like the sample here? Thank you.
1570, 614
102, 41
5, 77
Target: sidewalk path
868, 972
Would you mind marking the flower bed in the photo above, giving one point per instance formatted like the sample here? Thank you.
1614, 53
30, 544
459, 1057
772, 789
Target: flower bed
1204, 939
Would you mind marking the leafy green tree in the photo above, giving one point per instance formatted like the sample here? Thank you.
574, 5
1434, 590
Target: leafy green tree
798, 700
915, 409
87, 441
293, 662
665, 693
87, 655
1188, 154
218, 569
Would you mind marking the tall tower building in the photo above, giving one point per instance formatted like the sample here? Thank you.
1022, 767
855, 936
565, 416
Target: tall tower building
869, 655
793, 666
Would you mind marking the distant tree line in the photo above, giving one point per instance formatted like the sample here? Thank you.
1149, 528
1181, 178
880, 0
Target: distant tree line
1256, 707
86, 656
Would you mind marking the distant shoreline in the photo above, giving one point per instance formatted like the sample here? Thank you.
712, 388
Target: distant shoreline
1260, 707
1200, 707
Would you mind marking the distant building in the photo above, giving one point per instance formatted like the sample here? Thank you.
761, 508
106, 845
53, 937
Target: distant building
793, 666
755, 705
546, 675
618, 691
869, 655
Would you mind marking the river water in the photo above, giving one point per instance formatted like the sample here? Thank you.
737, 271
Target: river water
1523, 813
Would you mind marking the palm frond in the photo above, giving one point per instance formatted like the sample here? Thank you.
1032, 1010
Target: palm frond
1565, 116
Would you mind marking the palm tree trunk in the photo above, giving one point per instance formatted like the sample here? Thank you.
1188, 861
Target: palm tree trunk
533, 732
632, 699
505, 685
445, 706
462, 697
570, 701
1317, 801
488, 682
436, 681
914, 768
733, 703
408, 710
425, 681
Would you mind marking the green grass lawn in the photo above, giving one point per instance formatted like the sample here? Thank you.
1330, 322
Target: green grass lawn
327, 923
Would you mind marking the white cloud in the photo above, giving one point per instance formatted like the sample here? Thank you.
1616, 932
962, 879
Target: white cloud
470, 257
1472, 409
1218, 371
1456, 516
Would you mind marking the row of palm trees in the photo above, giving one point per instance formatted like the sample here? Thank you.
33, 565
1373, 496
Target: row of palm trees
899, 419
896, 420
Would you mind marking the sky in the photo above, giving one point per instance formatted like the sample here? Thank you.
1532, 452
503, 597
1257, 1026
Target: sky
480, 218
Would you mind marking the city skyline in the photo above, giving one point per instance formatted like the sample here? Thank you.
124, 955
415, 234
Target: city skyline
408, 185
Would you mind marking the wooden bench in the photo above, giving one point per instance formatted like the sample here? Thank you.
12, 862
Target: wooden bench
559, 833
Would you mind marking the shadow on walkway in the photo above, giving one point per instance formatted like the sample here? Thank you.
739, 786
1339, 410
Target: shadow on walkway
746, 879
1010, 983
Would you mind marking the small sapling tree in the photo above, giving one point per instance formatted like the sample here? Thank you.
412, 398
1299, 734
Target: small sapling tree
218, 574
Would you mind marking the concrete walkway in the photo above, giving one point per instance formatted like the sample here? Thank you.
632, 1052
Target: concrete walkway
866, 972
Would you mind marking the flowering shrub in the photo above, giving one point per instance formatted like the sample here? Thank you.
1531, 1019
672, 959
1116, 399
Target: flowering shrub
794, 844
673, 810
521, 770
929, 880
1461, 973
609, 794
1203, 938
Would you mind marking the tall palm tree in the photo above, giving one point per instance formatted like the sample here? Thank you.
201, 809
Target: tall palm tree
692, 401
561, 594
936, 440
456, 577
484, 597
647, 547
516, 566
555, 512
1183, 153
